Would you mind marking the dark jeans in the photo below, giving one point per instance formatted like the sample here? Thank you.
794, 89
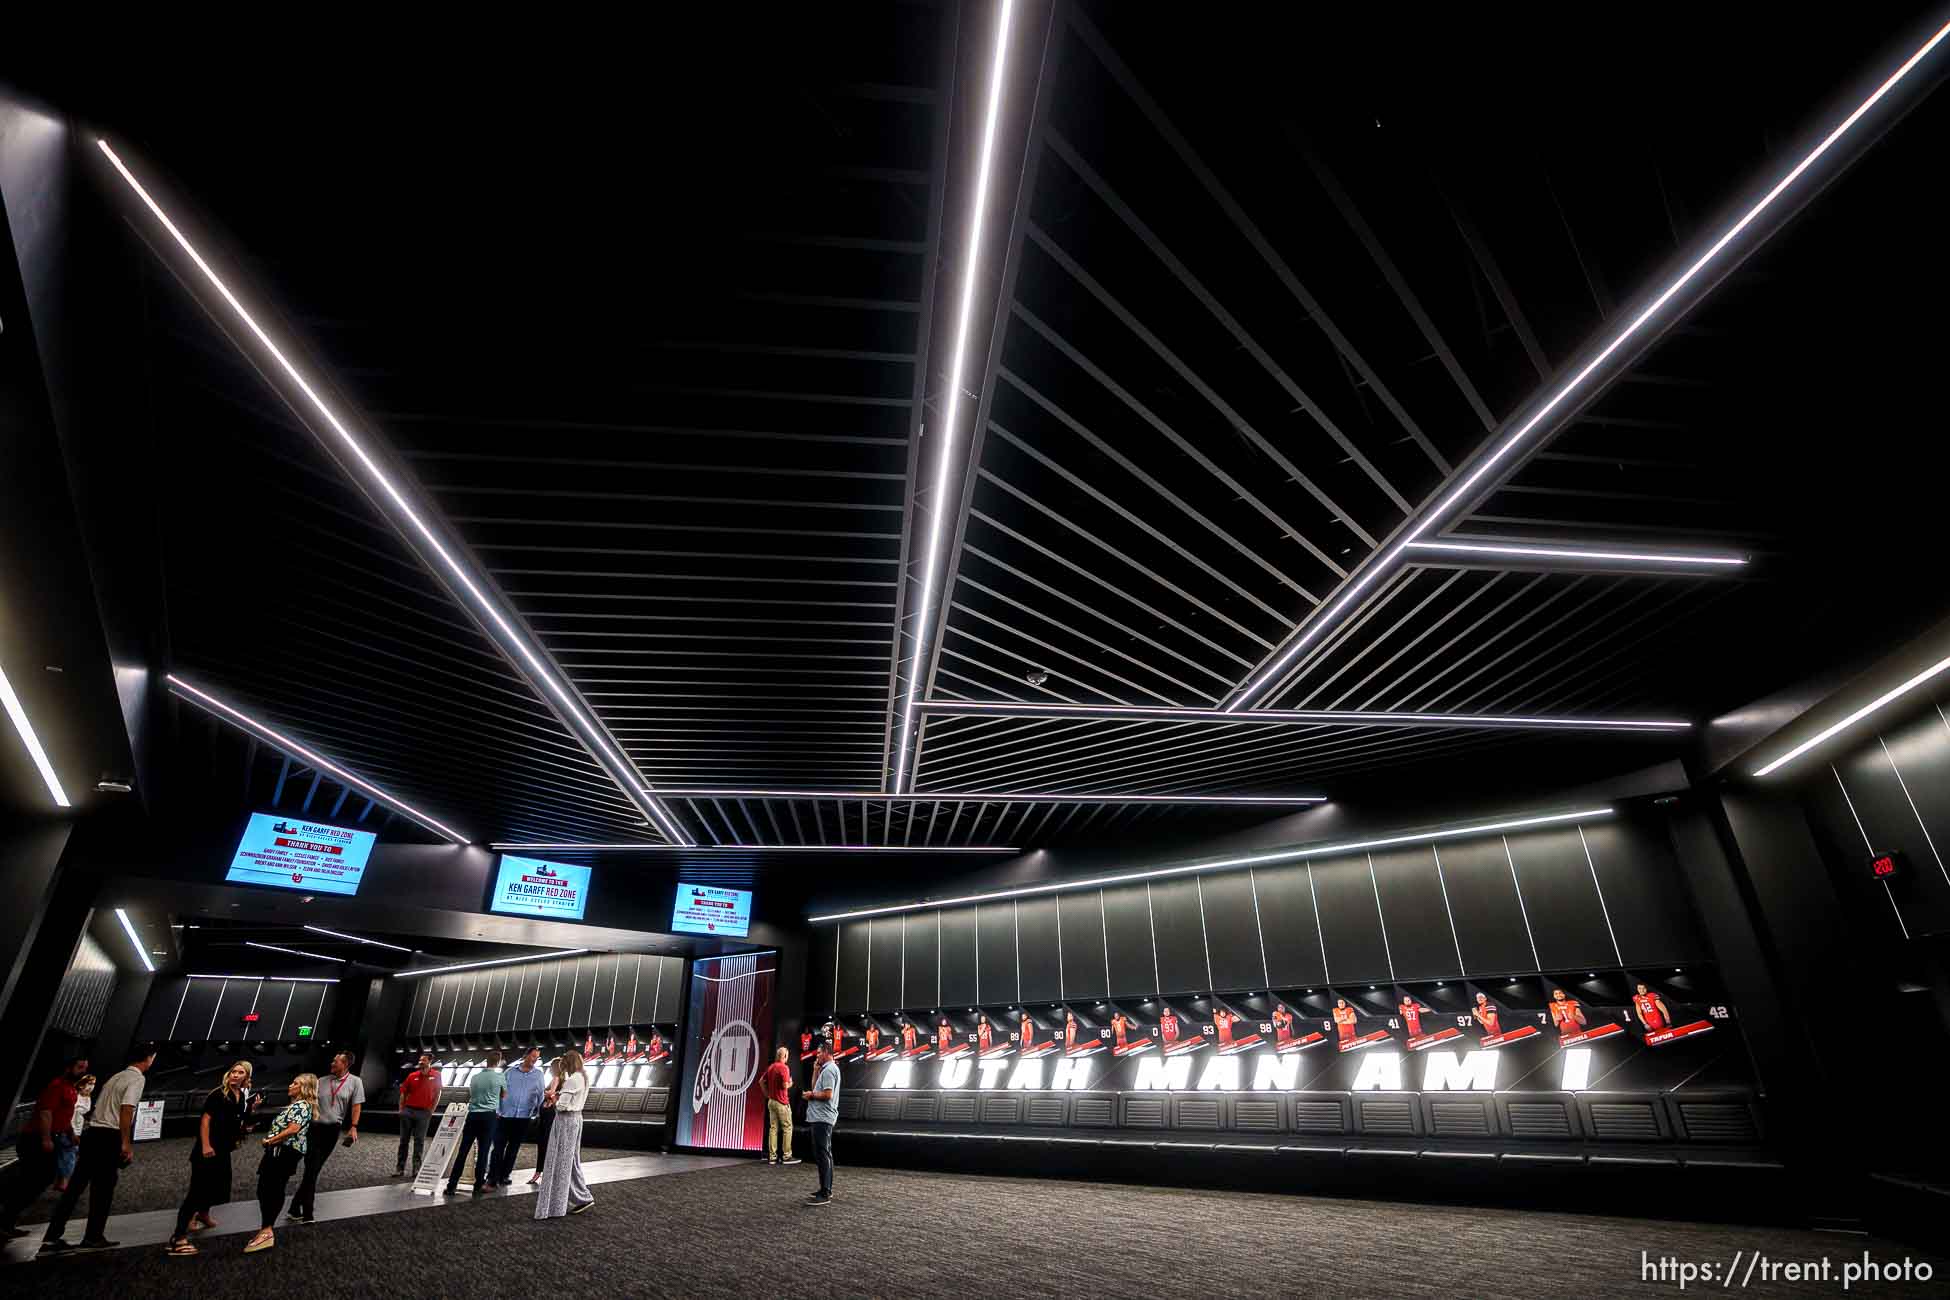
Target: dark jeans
320, 1141
273, 1176
209, 1185
413, 1127
32, 1174
508, 1133
98, 1167
479, 1128
546, 1123
822, 1135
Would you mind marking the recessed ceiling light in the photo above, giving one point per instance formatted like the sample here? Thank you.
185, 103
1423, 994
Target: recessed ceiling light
33, 742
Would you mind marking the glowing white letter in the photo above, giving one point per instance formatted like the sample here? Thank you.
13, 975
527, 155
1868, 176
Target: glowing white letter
1221, 1075
954, 1074
1028, 1075
1155, 1074
1273, 1073
899, 1075
1071, 1073
1475, 1072
1380, 1072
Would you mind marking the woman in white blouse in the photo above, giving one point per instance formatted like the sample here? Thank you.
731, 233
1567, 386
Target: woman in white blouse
563, 1189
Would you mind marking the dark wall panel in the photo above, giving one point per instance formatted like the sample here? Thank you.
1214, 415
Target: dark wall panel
923, 977
1350, 920
1178, 929
236, 999
1080, 923
552, 997
996, 976
1286, 918
1643, 890
630, 986
958, 956
1232, 931
1567, 917
1884, 798
1489, 920
822, 969
668, 1007
853, 967
884, 957
602, 997
1127, 925
309, 1004
1037, 950
1419, 937
453, 992
519, 996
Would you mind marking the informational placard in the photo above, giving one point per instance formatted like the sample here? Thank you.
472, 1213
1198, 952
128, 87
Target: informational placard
719, 1104
531, 887
148, 1120
291, 854
706, 909
440, 1150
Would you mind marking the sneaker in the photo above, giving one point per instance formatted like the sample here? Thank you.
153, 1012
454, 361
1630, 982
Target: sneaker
97, 1243
56, 1247
817, 1199
578, 1209
791, 1160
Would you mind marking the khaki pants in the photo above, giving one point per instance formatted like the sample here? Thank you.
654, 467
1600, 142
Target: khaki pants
778, 1130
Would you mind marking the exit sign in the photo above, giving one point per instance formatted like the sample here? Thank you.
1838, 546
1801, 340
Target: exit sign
1886, 866
304, 1031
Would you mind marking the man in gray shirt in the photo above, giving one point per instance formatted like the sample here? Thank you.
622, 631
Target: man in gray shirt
822, 1112
341, 1097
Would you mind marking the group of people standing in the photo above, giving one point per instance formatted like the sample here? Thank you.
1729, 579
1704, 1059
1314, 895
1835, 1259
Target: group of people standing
502, 1105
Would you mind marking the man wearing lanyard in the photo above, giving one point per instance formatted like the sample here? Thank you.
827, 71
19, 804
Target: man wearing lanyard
521, 1101
341, 1096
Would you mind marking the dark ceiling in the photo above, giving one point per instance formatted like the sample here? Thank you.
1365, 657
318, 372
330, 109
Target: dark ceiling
665, 340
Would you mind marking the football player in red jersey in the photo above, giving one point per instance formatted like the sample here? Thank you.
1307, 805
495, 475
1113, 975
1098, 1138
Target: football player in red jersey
873, 1037
1028, 1031
659, 1051
1566, 1014
944, 1035
1118, 1023
908, 1037
1168, 1027
1652, 1010
837, 1036
1282, 1025
1411, 1014
983, 1035
1225, 1018
1344, 1020
1069, 1030
1486, 1016
805, 1042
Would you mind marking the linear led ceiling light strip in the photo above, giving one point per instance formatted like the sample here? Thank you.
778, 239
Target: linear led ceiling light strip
476, 965
1253, 860
756, 848
951, 416
295, 952
269, 979
1315, 717
209, 702
1895, 693
32, 741
128, 928
451, 568
1331, 614
353, 938
1533, 550
956, 796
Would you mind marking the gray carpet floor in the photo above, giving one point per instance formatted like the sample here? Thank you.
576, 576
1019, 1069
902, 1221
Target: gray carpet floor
161, 1173
747, 1231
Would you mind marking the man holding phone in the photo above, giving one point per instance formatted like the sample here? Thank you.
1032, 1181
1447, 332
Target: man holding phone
107, 1148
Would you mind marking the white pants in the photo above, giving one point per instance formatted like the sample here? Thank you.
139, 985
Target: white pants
563, 1187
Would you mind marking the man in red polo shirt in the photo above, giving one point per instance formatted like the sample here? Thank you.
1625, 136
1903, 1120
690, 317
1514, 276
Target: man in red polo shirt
418, 1096
33, 1172
776, 1084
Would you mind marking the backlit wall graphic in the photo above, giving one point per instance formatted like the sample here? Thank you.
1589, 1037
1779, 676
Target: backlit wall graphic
719, 1106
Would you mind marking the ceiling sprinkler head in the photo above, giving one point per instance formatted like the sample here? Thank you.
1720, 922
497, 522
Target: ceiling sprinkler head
1036, 676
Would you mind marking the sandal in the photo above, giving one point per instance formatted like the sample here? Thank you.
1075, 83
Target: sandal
181, 1246
201, 1222
262, 1241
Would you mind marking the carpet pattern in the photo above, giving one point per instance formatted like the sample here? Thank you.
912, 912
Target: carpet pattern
161, 1173
748, 1231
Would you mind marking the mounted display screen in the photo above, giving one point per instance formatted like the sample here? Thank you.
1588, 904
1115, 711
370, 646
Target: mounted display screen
718, 1106
531, 887
704, 909
293, 854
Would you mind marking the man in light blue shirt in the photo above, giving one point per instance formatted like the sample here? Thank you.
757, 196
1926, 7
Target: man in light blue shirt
521, 1101
822, 1112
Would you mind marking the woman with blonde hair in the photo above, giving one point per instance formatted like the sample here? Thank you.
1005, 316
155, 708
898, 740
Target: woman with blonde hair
564, 1190
217, 1135
284, 1151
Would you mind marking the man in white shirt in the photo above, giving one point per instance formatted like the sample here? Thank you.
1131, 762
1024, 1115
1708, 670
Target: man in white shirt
341, 1096
107, 1146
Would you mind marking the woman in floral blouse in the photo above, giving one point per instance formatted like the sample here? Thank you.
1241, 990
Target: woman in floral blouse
284, 1151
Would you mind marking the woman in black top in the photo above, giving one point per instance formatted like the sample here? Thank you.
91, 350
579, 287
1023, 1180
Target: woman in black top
217, 1134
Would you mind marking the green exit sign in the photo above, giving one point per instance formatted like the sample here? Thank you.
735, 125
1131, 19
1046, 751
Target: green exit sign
304, 1031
